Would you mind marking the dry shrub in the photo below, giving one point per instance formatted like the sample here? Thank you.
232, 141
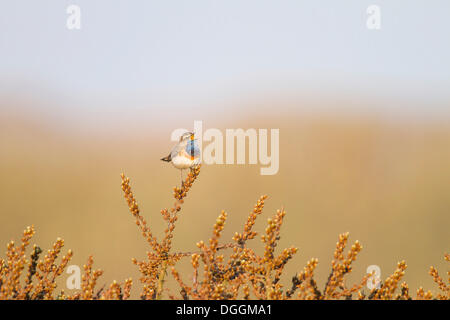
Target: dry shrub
247, 275
242, 275
39, 282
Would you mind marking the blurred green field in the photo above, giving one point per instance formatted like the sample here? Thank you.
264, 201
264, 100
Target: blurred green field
387, 182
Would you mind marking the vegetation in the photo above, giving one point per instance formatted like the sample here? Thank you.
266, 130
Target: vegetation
220, 270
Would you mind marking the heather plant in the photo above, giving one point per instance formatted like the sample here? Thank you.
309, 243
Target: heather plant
34, 277
220, 269
247, 275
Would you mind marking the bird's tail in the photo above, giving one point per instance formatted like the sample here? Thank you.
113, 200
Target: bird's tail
167, 159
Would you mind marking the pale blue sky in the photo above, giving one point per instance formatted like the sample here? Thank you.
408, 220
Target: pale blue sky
180, 51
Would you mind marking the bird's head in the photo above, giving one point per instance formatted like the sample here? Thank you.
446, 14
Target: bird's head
187, 136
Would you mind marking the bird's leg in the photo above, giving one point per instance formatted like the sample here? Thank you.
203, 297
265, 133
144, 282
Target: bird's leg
181, 175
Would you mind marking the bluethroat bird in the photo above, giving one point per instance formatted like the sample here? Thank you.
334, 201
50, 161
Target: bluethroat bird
185, 155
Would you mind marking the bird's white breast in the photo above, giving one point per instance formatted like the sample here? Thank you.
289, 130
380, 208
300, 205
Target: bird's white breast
181, 162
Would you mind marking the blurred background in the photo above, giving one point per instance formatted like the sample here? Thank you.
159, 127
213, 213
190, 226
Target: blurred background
364, 119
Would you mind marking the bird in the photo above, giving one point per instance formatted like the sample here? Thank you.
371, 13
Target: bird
186, 154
